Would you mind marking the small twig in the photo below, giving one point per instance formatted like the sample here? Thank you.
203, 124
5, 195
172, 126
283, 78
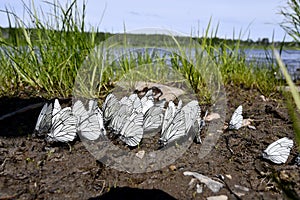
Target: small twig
30, 107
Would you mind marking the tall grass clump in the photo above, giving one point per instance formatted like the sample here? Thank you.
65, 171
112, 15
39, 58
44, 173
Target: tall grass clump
45, 53
230, 57
291, 25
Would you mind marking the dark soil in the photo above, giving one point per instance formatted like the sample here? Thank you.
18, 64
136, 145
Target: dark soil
30, 168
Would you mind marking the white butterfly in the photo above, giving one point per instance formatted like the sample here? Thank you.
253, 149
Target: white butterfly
132, 131
89, 122
127, 106
173, 126
236, 120
63, 126
110, 106
43, 123
192, 112
119, 117
279, 151
153, 119
147, 101
133, 102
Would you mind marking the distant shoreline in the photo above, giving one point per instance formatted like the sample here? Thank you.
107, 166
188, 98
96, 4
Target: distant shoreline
8, 34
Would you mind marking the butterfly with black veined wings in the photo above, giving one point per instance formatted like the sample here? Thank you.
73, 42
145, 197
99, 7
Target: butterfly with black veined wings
173, 126
279, 151
133, 102
147, 101
236, 120
132, 131
43, 123
56, 109
192, 112
110, 106
89, 122
153, 119
119, 117
63, 127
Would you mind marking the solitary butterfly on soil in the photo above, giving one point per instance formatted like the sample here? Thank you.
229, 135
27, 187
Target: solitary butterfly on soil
89, 122
43, 123
236, 120
63, 127
279, 151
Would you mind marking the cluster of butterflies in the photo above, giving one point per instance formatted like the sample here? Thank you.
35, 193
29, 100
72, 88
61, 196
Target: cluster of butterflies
128, 118
63, 124
277, 152
132, 117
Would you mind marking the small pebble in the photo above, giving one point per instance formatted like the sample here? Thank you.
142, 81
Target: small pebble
252, 127
228, 176
172, 168
140, 154
199, 189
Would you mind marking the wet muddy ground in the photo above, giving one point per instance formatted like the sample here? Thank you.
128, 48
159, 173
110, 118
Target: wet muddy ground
31, 168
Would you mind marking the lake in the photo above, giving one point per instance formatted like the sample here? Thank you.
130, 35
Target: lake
291, 58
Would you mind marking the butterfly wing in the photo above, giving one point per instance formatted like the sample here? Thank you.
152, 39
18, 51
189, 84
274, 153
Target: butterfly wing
169, 115
279, 151
153, 119
147, 101
56, 110
192, 112
90, 122
118, 119
175, 130
132, 131
92, 127
236, 120
64, 127
79, 111
43, 123
111, 105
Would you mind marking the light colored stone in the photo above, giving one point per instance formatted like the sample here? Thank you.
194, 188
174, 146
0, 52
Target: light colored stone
240, 190
213, 185
212, 116
220, 197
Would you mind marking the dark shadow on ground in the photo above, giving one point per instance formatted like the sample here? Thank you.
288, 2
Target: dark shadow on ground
125, 193
20, 123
